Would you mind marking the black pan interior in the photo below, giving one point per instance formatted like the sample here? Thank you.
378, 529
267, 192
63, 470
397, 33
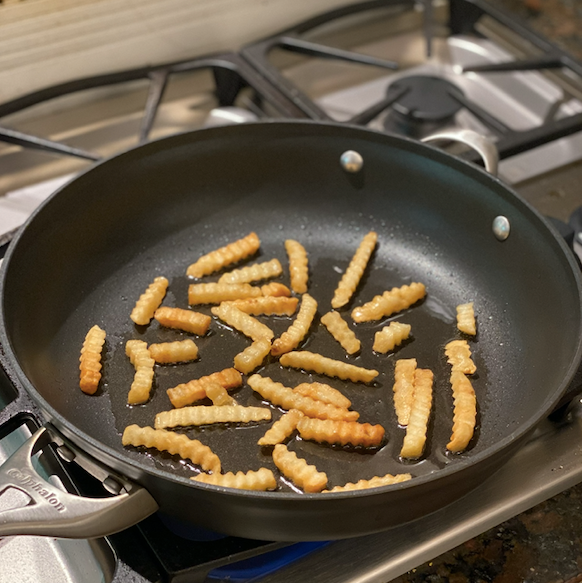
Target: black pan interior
93, 248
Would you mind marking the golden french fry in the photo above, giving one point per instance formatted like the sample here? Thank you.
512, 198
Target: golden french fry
391, 336
253, 272
282, 428
404, 388
244, 323
341, 432
149, 301
465, 412
466, 319
275, 289
174, 443
187, 393
224, 256
186, 320
298, 330
390, 302
267, 306
415, 437
374, 482
327, 366
216, 293
353, 274
263, 479
298, 470
170, 352
298, 265
325, 393
285, 397
140, 357
252, 356
218, 394
459, 356
90, 360
340, 330
201, 415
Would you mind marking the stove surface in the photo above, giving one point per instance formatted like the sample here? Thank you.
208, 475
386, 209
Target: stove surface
108, 119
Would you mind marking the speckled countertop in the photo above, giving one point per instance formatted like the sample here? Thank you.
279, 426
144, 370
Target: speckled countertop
544, 544
558, 20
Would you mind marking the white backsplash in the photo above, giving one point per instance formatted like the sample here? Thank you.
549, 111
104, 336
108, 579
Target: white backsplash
45, 42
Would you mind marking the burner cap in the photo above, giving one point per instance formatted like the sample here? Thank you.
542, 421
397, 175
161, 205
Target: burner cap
425, 98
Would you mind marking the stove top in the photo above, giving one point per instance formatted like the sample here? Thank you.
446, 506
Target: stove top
370, 64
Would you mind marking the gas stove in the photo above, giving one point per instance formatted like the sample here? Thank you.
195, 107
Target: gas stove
372, 64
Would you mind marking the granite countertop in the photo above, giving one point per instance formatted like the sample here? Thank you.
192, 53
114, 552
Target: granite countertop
558, 20
543, 544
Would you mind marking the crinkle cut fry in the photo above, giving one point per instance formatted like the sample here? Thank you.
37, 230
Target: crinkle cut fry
353, 274
90, 360
282, 428
267, 306
390, 302
174, 443
244, 323
459, 356
149, 301
252, 356
194, 390
391, 336
404, 389
216, 293
225, 256
218, 394
285, 397
298, 330
261, 480
298, 470
374, 482
327, 366
341, 332
415, 437
298, 265
254, 272
465, 412
466, 319
172, 352
140, 357
324, 393
201, 415
275, 289
341, 432
187, 320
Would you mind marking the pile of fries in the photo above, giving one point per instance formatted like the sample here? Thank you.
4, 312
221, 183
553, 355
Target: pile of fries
313, 411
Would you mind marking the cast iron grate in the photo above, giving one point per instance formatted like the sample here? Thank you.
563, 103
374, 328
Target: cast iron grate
464, 17
231, 74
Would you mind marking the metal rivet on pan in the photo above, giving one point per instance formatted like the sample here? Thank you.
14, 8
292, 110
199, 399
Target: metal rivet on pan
351, 161
501, 227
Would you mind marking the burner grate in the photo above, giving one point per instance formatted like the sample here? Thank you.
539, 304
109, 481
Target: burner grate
231, 75
465, 17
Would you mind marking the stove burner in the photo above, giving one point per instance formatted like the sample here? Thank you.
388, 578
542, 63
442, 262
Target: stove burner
425, 103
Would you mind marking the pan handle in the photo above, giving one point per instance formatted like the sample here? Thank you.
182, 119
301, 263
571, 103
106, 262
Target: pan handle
56, 513
481, 144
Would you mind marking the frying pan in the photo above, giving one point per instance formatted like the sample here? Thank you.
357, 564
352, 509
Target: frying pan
86, 255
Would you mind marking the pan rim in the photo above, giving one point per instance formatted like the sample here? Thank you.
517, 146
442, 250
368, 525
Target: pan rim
10, 360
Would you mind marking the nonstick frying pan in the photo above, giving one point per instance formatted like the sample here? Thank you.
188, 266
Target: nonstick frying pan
86, 255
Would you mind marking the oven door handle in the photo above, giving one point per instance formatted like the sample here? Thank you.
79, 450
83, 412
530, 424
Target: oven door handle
56, 513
